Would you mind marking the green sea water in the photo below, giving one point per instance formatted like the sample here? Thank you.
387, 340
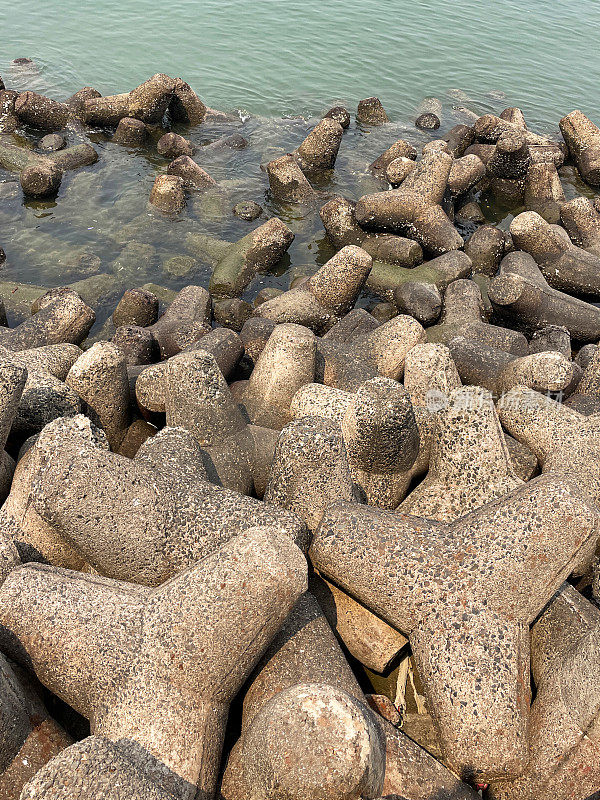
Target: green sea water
279, 64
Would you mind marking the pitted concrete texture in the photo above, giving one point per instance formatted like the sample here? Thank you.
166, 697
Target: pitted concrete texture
61, 316
564, 265
564, 750
429, 377
307, 731
498, 371
379, 429
310, 469
238, 263
415, 210
582, 222
99, 376
310, 741
470, 464
45, 395
583, 140
521, 294
196, 397
13, 378
382, 439
320, 148
142, 520
586, 398
185, 320
466, 615
29, 737
463, 314
562, 439
96, 769
149, 381
326, 297
287, 363
157, 667
287, 181
36, 539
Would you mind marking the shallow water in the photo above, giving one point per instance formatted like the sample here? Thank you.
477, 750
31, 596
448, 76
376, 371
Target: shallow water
272, 60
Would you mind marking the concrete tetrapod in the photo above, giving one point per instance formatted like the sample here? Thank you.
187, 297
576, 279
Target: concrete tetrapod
379, 430
287, 362
564, 748
583, 140
36, 539
160, 666
469, 465
563, 439
521, 294
564, 265
581, 220
99, 376
186, 319
414, 209
259, 250
308, 733
466, 615
45, 395
463, 314
158, 513
326, 297
310, 472
196, 397
498, 371
98, 769
61, 316
13, 379
342, 230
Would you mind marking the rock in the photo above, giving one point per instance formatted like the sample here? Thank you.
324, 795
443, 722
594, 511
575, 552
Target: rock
52, 142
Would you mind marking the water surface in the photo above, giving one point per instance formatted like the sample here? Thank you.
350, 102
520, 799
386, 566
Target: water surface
279, 65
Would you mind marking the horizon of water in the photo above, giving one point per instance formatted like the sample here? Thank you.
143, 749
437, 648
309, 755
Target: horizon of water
281, 57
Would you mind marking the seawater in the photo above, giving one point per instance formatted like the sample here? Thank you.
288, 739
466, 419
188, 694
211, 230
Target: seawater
278, 65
